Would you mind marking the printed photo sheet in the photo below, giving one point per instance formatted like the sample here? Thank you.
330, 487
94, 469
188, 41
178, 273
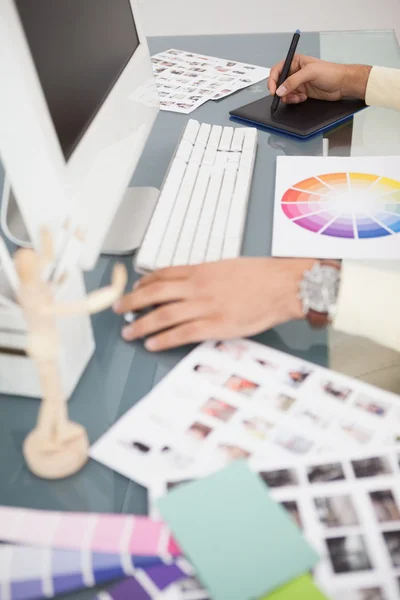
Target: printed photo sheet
186, 80
240, 399
349, 510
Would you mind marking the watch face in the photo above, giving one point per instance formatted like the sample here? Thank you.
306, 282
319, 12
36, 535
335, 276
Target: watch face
319, 289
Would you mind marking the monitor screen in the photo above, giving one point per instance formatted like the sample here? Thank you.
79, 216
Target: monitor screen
80, 48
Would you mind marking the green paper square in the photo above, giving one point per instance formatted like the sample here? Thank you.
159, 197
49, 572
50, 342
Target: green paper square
302, 588
241, 543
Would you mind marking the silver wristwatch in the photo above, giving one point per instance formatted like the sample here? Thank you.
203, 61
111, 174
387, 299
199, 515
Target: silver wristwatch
319, 290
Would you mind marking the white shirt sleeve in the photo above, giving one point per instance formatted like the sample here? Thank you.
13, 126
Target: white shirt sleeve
369, 298
383, 88
369, 302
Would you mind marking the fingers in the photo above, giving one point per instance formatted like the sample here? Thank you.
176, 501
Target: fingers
274, 77
277, 70
155, 292
164, 317
293, 82
166, 274
188, 333
294, 98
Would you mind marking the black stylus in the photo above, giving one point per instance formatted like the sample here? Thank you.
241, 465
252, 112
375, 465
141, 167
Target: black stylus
286, 68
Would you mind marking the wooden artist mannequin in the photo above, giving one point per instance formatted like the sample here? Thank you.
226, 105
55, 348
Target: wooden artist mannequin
57, 447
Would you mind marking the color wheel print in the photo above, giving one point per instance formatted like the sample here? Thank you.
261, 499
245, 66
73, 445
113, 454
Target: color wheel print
345, 205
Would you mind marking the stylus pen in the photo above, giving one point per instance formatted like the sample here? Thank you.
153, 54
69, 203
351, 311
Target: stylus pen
286, 68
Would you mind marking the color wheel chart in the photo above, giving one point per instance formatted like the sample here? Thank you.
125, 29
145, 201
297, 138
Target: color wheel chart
348, 205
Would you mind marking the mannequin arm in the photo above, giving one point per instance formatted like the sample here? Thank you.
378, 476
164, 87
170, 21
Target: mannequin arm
98, 300
47, 253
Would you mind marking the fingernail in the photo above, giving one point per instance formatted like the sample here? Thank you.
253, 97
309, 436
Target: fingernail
117, 305
281, 91
150, 344
127, 333
136, 284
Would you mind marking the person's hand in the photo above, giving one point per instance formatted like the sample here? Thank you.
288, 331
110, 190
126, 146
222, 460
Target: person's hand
313, 78
221, 300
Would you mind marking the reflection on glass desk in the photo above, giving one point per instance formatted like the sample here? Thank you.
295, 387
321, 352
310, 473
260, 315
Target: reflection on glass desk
119, 373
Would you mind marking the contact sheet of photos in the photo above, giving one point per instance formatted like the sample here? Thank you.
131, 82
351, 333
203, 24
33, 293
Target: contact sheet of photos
349, 510
186, 80
239, 399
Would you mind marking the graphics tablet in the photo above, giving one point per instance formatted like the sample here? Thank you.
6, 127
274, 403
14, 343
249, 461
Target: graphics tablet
300, 120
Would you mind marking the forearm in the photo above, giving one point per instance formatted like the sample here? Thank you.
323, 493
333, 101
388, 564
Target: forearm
378, 86
355, 81
368, 304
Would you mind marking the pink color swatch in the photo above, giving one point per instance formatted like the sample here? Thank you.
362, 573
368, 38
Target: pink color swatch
99, 532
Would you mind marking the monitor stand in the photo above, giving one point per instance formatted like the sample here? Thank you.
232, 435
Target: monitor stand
125, 234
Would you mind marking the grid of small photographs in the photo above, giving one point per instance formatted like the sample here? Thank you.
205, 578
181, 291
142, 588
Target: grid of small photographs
349, 510
239, 399
264, 402
186, 80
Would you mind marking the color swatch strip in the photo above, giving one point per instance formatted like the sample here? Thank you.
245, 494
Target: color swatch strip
147, 584
28, 572
109, 533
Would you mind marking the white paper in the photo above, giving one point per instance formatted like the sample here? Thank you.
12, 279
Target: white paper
240, 399
186, 80
363, 204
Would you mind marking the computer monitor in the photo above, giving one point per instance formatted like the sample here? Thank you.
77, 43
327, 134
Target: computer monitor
77, 103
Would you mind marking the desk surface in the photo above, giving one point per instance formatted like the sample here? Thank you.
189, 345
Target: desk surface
120, 374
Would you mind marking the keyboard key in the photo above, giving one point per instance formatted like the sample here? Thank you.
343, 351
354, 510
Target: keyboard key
184, 151
191, 131
215, 136
200, 145
210, 155
231, 166
250, 136
226, 138
237, 140
222, 159
204, 133
232, 248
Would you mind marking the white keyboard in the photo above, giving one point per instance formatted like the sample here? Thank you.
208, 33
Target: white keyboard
201, 211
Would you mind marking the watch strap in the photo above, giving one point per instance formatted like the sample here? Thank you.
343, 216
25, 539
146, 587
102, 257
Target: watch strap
319, 320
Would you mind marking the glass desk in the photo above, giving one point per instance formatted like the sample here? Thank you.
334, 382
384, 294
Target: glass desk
119, 373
